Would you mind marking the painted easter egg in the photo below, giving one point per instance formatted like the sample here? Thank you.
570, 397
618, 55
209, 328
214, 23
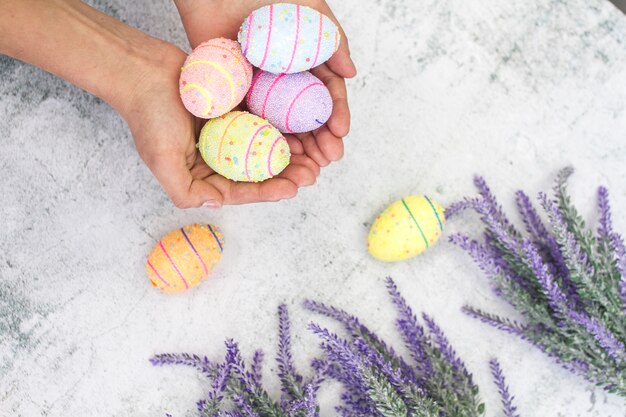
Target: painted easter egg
215, 78
184, 257
287, 38
406, 228
243, 147
293, 103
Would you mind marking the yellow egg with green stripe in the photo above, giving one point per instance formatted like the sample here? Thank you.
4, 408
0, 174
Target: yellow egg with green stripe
406, 228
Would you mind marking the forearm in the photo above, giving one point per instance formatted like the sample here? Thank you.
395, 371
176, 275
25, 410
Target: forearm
79, 44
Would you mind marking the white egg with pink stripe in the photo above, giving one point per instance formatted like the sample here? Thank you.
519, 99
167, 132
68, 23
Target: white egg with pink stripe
243, 147
293, 103
288, 38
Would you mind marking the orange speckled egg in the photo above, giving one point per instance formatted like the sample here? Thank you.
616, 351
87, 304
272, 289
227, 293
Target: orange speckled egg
184, 257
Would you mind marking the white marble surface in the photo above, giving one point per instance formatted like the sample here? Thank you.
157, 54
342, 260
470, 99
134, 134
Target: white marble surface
513, 90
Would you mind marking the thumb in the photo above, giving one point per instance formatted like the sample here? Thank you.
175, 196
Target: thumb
173, 174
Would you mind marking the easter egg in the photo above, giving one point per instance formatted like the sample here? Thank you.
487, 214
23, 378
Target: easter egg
215, 78
293, 103
243, 147
287, 38
406, 228
184, 257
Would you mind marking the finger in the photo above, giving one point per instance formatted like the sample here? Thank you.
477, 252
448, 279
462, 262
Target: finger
274, 189
341, 63
300, 175
330, 145
172, 172
312, 150
307, 162
295, 146
339, 122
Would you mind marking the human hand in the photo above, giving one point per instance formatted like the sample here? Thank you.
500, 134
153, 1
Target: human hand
138, 76
205, 20
165, 136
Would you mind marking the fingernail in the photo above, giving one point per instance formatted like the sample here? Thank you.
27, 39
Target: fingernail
212, 204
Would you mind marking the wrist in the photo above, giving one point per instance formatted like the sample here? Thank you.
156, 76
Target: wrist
81, 45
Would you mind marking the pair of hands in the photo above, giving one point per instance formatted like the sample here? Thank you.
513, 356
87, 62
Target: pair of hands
166, 133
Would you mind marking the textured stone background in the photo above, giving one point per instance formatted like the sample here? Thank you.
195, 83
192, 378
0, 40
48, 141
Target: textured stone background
447, 89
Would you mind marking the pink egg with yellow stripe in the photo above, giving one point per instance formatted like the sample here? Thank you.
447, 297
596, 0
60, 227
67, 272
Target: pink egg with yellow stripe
243, 147
288, 38
293, 103
184, 257
215, 78
406, 228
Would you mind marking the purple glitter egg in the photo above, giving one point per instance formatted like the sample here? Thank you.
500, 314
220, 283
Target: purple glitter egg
293, 103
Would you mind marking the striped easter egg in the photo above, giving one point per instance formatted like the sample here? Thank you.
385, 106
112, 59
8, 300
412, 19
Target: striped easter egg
215, 78
243, 147
287, 38
184, 257
406, 228
293, 103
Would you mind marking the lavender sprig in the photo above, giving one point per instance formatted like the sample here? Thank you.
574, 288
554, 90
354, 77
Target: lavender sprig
568, 283
379, 383
508, 409
291, 381
237, 391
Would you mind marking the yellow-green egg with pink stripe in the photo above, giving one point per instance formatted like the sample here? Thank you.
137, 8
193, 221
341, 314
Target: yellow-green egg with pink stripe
243, 147
406, 228
184, 257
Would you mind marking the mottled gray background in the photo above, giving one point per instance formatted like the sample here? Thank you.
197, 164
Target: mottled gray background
447, 89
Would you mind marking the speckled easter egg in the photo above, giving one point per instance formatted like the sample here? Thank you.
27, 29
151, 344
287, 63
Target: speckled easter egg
287, 38
243, 147
293, 103
184, 257
215, 78
406, 228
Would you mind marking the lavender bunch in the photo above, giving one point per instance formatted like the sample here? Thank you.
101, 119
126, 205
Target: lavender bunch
378, 382
237, 391
567, 282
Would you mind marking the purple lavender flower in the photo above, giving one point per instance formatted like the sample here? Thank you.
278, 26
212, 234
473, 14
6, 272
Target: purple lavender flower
481, 255
223, 375
605, 338
339, 352
605, 228
492, 208
620, 253
359, 331
307, 405
233, 385
351, 323
412, 332
556, 299
243, 407
291, 381
456, 208
201, 364
508, 408
530, 217
257, 367
568, 285
500, 323
444, 346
